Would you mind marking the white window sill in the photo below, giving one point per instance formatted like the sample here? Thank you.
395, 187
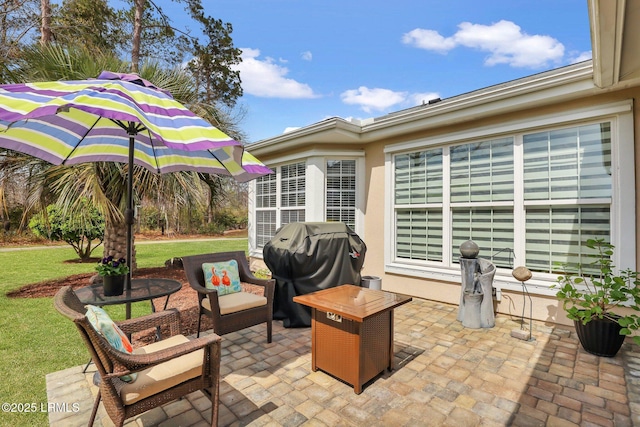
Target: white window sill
540, 283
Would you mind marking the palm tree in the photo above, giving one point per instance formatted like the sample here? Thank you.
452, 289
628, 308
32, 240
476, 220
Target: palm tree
104, 183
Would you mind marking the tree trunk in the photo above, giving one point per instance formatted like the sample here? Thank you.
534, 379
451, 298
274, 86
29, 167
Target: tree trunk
45, 28
137, 35
85, 250
115, 242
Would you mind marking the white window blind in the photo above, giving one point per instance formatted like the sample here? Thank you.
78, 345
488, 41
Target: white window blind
418, 177
280, 199
341, 191
490, 228
291, 215
266, 191
555, 236
571, 169
265, 226
570, 163
293, 185
419, 234
418, 197
482, 172
562, 196
266, 208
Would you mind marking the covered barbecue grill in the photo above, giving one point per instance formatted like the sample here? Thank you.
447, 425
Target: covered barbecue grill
305, 257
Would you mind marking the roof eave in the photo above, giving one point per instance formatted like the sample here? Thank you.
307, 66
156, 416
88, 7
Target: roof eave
538, 90
607, 25
332, 130
541, 89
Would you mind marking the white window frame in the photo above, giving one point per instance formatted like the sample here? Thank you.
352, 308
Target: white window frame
623, 230
257, 209
281, 208
342, 208
278, 208
315, 185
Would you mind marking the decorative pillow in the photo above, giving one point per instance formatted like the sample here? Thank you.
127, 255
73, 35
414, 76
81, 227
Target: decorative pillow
106, 327
222, 276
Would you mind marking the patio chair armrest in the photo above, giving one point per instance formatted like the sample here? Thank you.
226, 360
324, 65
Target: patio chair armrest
203, 293
170, 317
256, 281
201, 289
268, 284
269, 287
126, 363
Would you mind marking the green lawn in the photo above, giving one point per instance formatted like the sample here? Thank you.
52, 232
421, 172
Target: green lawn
36, 340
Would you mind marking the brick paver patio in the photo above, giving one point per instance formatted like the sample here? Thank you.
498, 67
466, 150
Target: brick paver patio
445, 375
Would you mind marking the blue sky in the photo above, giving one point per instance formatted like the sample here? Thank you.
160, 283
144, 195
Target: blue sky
307, 60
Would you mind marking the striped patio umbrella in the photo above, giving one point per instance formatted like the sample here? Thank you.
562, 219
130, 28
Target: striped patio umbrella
120, 118
111, 118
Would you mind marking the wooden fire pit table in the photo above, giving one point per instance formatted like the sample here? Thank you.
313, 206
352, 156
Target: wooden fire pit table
352, 331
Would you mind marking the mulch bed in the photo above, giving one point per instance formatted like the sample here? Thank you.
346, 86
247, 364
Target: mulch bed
185, 300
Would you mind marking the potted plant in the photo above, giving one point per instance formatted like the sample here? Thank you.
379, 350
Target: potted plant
113, 273
590, 297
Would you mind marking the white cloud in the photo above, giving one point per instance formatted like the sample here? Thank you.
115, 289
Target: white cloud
429, 40
307, 55
265, 78
378, 99
580, 56
372, 99
505, 42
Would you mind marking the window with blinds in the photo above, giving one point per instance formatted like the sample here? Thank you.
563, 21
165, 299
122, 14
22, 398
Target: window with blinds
265, 226
266, 191
570, 171
419, 234
562, 195
490, 228
293, 195
265, 208
555, 236
341, 192
570, 163
418, 177
418, 199
293, 185
280, 199
482, 172
291, 215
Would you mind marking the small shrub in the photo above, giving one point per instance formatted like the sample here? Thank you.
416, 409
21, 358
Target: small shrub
78, 230
262, 273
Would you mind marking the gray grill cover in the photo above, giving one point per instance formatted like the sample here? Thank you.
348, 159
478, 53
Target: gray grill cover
305, 257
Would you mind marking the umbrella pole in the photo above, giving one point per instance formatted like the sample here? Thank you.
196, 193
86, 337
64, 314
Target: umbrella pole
129, 219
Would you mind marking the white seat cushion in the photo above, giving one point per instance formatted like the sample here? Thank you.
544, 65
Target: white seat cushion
165, 375
238, 301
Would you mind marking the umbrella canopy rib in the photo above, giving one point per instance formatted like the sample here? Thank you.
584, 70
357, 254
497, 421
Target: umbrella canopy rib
79, 141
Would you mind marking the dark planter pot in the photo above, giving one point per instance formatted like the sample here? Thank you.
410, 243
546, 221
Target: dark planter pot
600, 336
113, 285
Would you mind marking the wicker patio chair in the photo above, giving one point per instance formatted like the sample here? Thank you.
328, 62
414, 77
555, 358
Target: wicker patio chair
166, 370
233, 312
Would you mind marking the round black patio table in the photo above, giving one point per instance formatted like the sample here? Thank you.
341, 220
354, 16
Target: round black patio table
141, 290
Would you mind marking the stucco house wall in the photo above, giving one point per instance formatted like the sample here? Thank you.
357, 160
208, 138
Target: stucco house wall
562, 97
545, 306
